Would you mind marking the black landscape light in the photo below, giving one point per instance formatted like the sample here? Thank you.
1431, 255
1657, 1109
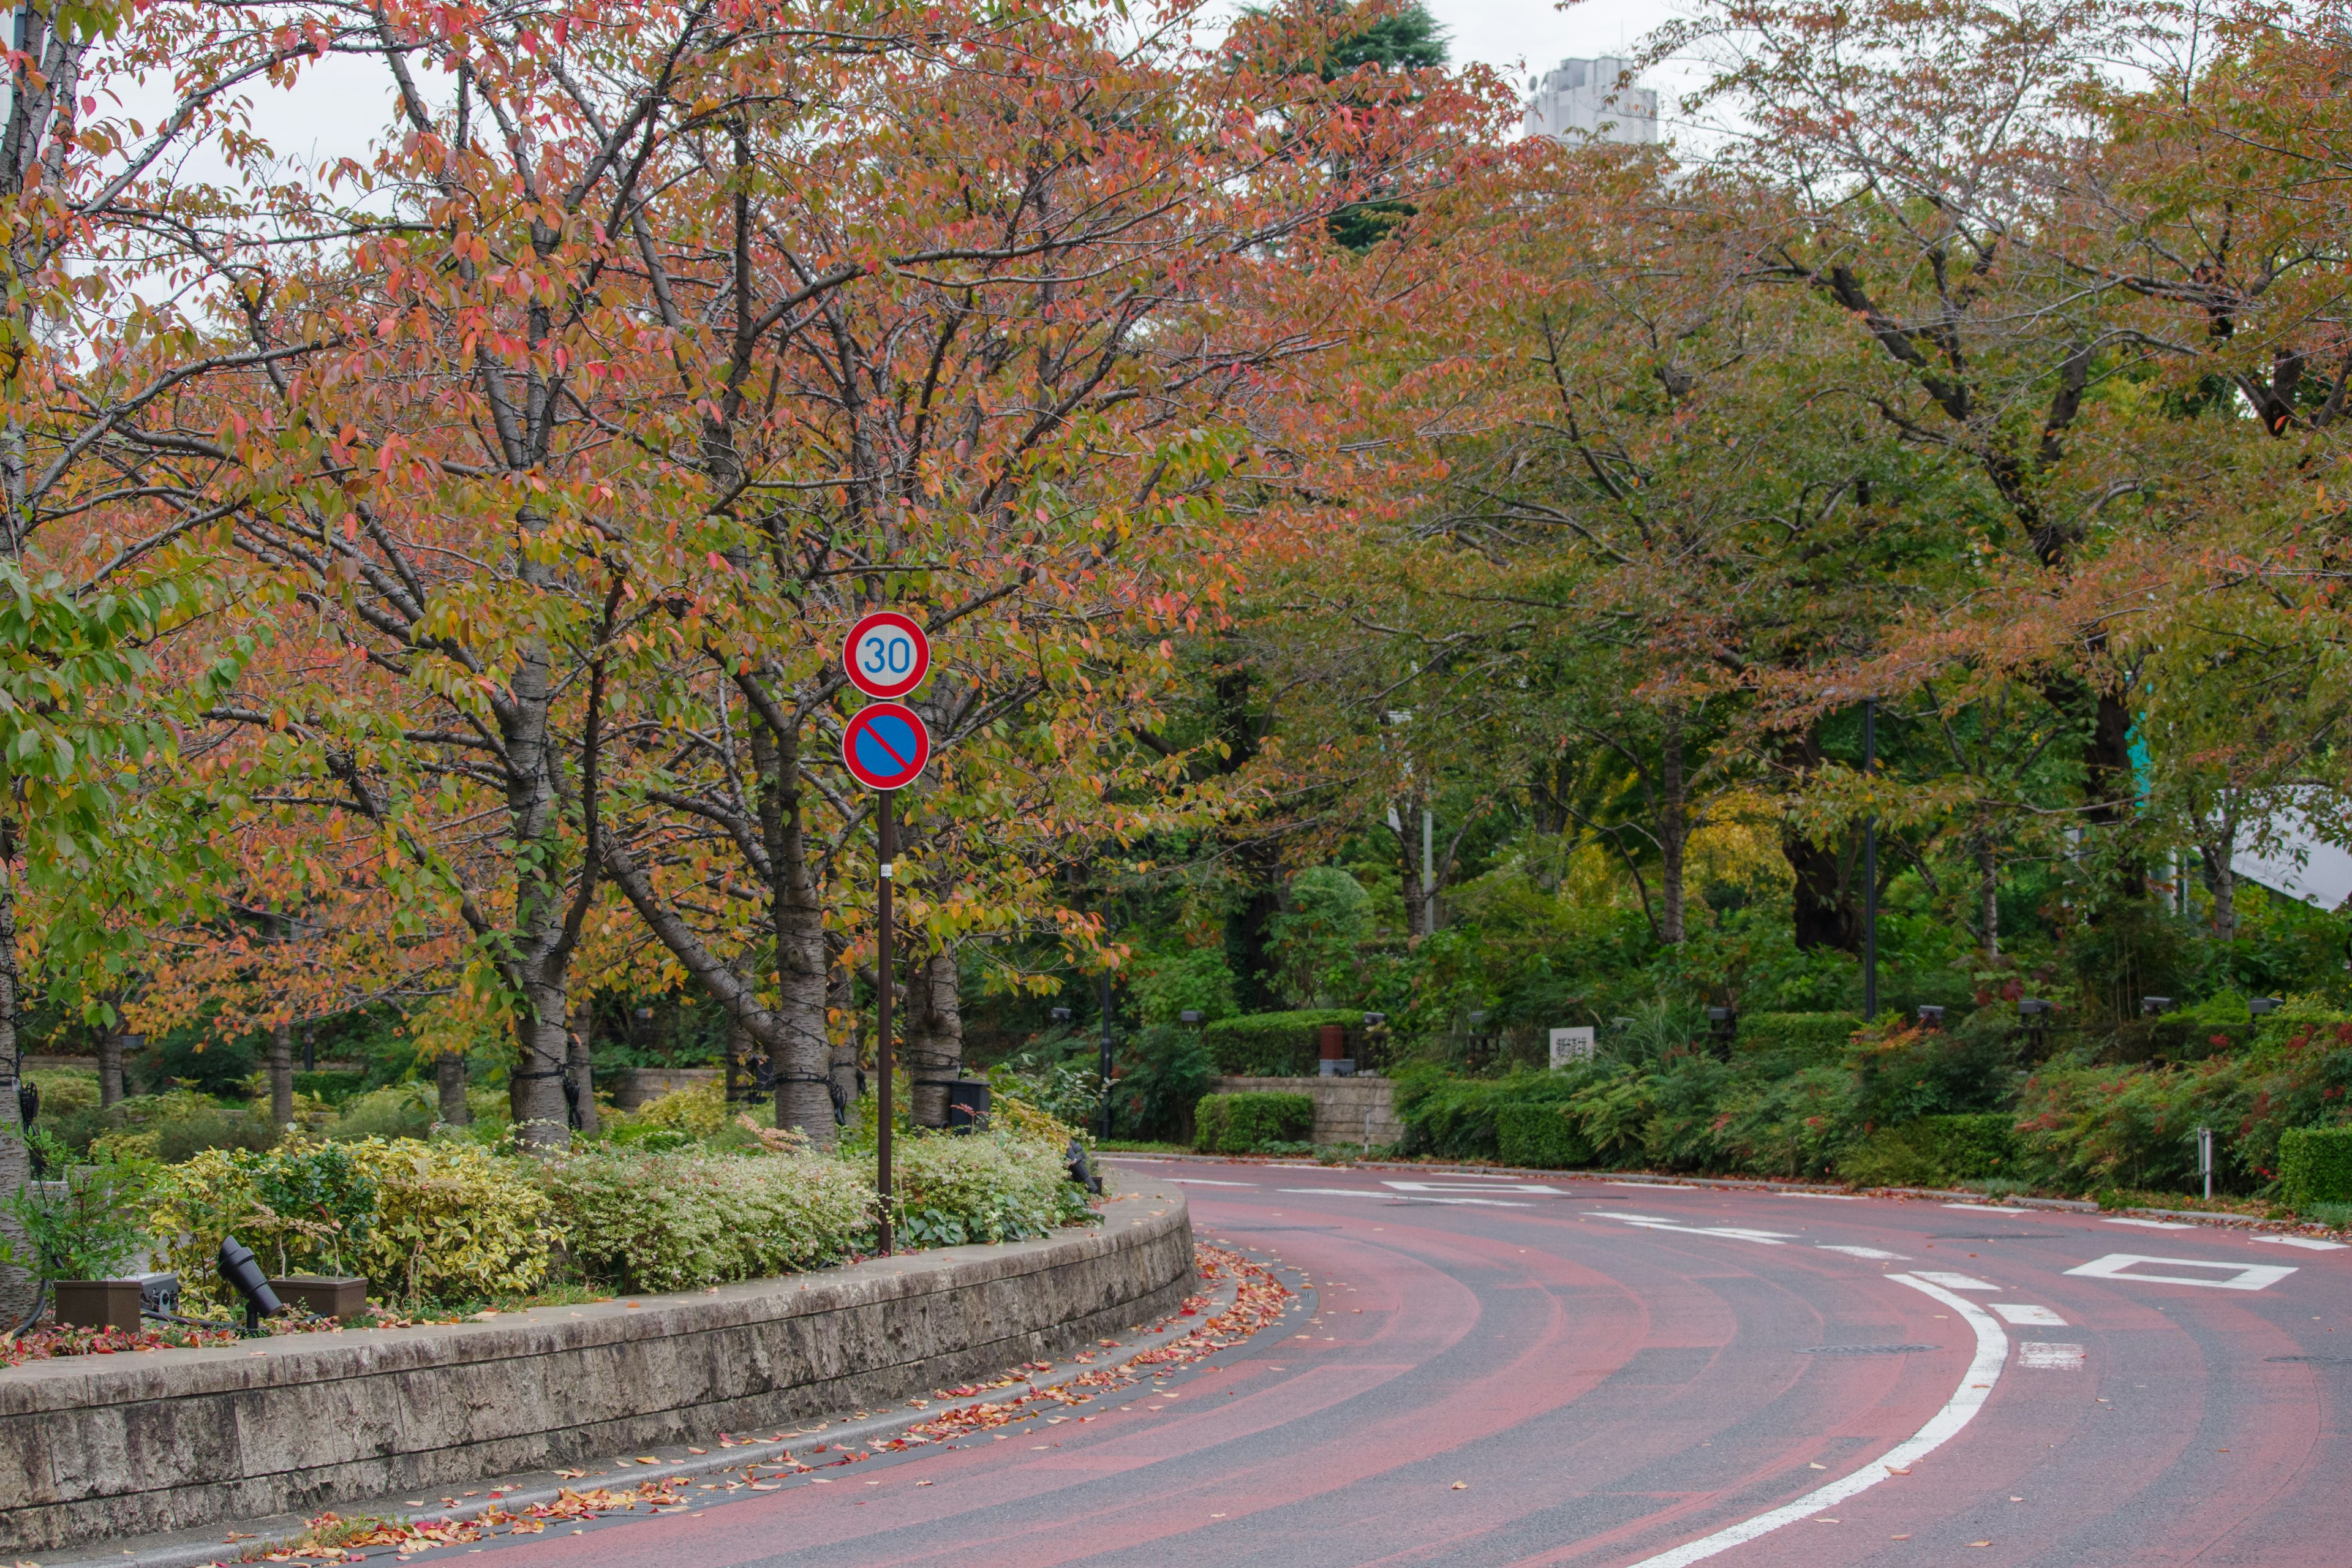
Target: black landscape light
2149, 1006
1189, 1016
1723, 1023
1930, 1015
1376, 1020
28, 1102
2032, 1008
242, 1274
1081, 1170
1061, 1014
2259, 1006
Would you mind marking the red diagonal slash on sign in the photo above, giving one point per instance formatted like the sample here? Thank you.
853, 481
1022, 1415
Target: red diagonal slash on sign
874, 733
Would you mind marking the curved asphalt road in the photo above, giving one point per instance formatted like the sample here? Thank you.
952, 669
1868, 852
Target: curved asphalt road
1630, 1374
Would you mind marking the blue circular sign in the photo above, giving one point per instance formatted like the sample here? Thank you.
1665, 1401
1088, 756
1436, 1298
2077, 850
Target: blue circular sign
885, 745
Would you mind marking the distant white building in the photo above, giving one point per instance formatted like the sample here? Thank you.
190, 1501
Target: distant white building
1583, 96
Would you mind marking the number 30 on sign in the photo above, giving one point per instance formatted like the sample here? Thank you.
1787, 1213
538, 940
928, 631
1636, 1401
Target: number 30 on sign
887, 655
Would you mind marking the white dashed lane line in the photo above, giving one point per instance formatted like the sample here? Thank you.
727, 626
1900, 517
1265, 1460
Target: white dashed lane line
2308, 1243
1955, 1282
2032, 1316
1863, 1252
1205, 1181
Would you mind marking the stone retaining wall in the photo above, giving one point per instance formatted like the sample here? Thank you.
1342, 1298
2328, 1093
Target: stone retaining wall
1347, 1109
103, 1447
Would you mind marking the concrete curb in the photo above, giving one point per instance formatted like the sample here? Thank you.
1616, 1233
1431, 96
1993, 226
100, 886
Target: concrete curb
206, 1548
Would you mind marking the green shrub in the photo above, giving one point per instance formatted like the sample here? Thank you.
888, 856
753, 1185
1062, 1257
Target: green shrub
1243, 1123
1157, 1078
183, 1137
2314, 1166
1273, 1045
955, 1189
1540, 1137
1819, 1036
84, 1222
395, 1111
646, 1221
1454, 1117
447, 1222
1935, 1152
334, 1088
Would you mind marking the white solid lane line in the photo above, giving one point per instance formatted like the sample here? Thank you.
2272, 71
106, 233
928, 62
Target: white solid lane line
2020, 1312
1465, 1187
1976, 1387
1660, 1186
2309, 1243
1205, 1181
1955, 1282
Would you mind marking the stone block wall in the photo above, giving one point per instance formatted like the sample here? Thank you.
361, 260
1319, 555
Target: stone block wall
1347, 1109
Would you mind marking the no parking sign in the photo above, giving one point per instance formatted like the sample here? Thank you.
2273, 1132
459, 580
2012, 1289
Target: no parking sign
885, 746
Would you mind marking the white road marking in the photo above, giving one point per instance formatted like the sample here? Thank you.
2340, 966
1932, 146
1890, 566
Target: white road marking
1863, 1252
2308, 1243
1459, 1187
1834, 1198
2050, 1357
2154, 1224
1662, 1187
1205, 1181
1954, 1281
2020, 1312
2243, 1276
1396, 1197
1976, 1387
1986, 1209
1735, 1233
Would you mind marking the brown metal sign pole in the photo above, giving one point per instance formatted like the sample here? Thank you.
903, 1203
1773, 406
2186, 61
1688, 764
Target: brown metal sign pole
888, 829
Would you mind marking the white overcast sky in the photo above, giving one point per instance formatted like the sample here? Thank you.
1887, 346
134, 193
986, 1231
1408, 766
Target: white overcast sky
343, 103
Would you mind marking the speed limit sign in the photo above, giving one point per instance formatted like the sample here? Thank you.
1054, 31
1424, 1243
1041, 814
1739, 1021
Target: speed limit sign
887, 654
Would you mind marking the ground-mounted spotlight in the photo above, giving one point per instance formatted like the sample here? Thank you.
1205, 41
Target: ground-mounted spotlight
2260, 1005
1189, 1016
1930, 1015
2149, 1006
1061, 1014
240, 1272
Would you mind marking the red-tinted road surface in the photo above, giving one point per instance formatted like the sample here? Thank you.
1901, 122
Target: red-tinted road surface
1617, 1371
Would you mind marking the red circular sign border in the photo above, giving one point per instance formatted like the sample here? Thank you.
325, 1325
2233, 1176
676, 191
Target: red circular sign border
866, 715
890, 618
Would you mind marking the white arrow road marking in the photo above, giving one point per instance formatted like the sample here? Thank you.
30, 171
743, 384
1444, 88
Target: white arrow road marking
2308, 1243
1464, 1187
1863, 1252
2018, 1312
2243, 1276
1976, 1387
1737, 1233
1397, 1197
1955, 1282
2050, 1357
2154, 1224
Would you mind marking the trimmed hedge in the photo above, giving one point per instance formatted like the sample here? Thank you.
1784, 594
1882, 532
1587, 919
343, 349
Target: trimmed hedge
1819, 1036
1243, 1123
1273, 1045
1935, 1152
2315, 1165
1540, 1137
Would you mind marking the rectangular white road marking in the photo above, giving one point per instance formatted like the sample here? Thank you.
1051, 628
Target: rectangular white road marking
1954, 1281
1863, 1252
2241, 1276
2049, 1357
1486, 1202
2154, 1224
1660, 1186
2308, 1243
1976, 1387
1986, 1209
1464, 1187
2020, 1312
1205, 1181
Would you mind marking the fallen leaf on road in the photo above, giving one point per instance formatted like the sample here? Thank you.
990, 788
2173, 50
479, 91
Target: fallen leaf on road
1980, 1543
1461, 1486
1819, 1467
